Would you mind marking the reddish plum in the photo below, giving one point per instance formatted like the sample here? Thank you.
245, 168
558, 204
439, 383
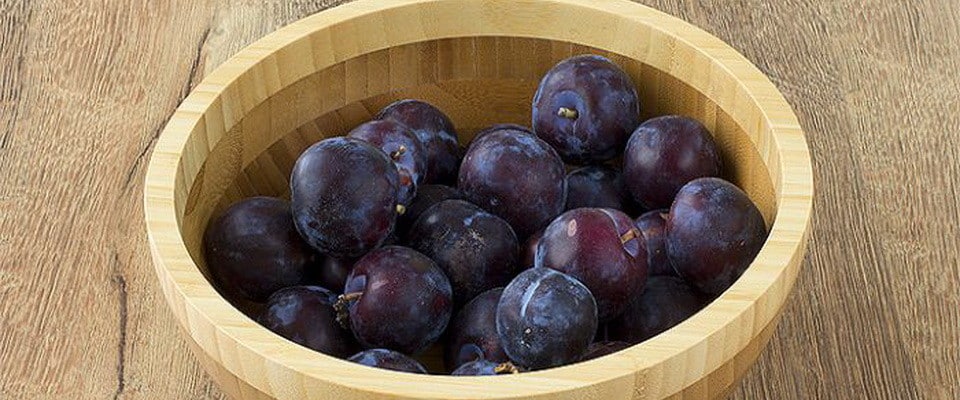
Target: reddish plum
398, 142
586, 107
664, 154
652, 225
603, 249
713, 233
516, 177
396, 298
436, 133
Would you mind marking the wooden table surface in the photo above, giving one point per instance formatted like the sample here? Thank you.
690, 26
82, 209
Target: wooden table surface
85, 89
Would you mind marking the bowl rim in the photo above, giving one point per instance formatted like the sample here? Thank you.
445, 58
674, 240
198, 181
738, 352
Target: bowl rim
255, 354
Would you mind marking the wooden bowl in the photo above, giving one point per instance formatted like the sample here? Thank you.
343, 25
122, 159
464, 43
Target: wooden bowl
239, 132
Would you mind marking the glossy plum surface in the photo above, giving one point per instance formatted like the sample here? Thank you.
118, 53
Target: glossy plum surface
397, 298
529, 249
305, 315
597, 186
475, 249
499, 127
435, 131
387, 359
344, 196
586, 107
653, 227
515, 176
602, 249
664, 303
545, 319
252, 249
473, 332
714, 231
427, 196
406, 151
665, 153
330, 273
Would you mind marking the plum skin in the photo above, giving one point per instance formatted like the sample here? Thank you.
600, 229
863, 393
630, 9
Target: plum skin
653, 226
605, 101
665, 153
427, 196
598, 186
305, 315
587, 243
713, 233
545, 319
473, 332
666, 302
515, 176
344, 214
388, 359
406, 151
435, 131
242, 244
475, 249
405, 301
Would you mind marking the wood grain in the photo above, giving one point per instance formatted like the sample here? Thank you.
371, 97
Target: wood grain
85, 89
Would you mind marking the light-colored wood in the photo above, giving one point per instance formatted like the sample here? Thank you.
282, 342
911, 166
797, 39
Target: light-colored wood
84, 90
335, 61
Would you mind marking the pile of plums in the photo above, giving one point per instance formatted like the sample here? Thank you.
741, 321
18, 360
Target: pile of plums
528, 249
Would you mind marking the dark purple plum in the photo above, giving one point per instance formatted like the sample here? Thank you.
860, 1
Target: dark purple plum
665, 153
436, 133
427, 196
387, 359
515, 176
305, 315
331, 273
403, 147
477, 250
485, 368
473, 332
601, 248
529, 249
344, 196
586, 107
600, 349
499, 127
397, 298
653, 227
252, 249
713, 233
597, 186
664, 303
545, 319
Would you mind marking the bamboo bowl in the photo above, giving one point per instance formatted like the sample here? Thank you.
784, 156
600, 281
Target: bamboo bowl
239, 132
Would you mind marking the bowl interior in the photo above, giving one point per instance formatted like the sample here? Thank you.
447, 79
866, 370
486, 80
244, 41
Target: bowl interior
477, 81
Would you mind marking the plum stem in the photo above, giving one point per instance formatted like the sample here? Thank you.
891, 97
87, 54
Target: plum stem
567, 113
506, 368
401, 209
343, 313
395, 155
630, 235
